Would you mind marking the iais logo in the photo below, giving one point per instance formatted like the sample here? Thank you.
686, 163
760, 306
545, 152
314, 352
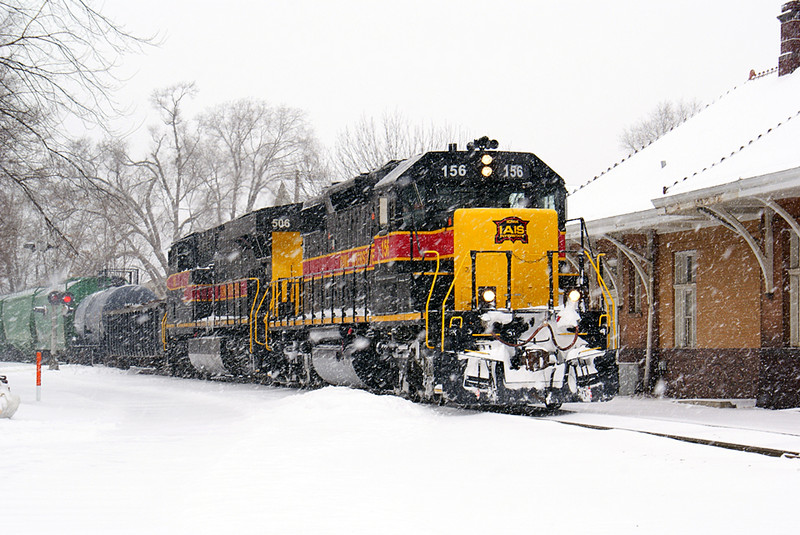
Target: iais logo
511, 229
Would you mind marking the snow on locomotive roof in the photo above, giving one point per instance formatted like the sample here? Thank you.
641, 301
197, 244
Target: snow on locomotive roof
752, 130
370, 179
398, 171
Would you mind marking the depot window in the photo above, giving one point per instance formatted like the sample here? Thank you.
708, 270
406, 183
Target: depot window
635, 290
685, 299
794, 290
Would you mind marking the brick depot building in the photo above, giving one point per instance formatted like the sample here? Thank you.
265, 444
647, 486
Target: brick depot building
701, 231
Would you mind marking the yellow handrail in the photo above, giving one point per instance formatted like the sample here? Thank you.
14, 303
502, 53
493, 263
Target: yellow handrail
450, 289
610, 310
164, 331
273, 300
430, 295
253, 314
258, 310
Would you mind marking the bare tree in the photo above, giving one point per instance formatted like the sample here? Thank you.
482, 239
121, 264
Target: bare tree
371, 142
666, 116
87, 219
144, 204
193, 176
311, 172
13, 226
251, 149
91, 217
156, 199
172, 165
56, 58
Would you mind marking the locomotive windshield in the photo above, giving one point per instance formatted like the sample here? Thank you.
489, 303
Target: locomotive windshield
452, 196
426, 205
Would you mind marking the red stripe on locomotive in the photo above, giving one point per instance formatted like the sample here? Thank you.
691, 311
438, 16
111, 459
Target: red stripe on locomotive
393, 247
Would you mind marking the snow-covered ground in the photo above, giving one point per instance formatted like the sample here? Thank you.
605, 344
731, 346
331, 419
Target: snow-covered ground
745, 425
108, 451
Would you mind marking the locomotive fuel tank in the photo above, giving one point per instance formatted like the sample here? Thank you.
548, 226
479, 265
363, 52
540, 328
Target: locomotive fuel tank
346, 359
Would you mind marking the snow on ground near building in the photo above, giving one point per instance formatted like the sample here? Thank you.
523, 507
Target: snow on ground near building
107, 451
743, 426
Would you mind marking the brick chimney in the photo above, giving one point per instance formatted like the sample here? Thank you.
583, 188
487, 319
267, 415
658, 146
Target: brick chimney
789, 59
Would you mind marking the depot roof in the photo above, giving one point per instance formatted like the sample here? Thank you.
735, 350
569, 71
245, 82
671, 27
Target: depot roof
745, 142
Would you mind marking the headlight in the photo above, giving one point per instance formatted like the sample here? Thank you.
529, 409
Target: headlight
574, 296
489, 295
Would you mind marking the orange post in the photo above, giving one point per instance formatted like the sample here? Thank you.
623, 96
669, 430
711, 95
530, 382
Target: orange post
38, 376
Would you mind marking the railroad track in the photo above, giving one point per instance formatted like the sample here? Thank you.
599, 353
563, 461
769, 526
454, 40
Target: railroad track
748, 448
553, 416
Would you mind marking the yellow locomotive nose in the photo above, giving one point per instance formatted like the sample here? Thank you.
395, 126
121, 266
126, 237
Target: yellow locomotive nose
504, 251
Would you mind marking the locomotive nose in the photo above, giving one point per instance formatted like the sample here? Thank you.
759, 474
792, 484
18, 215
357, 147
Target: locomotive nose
503, 253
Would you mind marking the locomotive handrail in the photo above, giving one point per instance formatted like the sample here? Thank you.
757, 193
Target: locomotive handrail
270, 309
289, 288
336, 274
586, 243
447, 295
258, 310
164, 331
252, 320
553, 274
609, 298
430, 295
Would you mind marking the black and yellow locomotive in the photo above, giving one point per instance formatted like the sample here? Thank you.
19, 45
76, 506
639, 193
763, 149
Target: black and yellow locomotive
441, 277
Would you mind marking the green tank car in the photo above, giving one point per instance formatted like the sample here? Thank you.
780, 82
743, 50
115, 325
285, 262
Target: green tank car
41, 319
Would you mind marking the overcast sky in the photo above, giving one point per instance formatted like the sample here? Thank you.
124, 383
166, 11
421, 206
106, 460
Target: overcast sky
560, 79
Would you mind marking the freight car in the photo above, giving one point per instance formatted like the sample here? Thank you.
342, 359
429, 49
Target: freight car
119, 326
441, 277
41, 320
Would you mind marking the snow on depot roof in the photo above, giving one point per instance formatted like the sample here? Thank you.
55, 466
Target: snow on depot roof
752, 130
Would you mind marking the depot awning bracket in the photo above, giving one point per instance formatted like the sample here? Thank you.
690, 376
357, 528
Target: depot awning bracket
764, 257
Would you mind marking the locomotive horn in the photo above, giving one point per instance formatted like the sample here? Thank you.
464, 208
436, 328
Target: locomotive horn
483, 143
